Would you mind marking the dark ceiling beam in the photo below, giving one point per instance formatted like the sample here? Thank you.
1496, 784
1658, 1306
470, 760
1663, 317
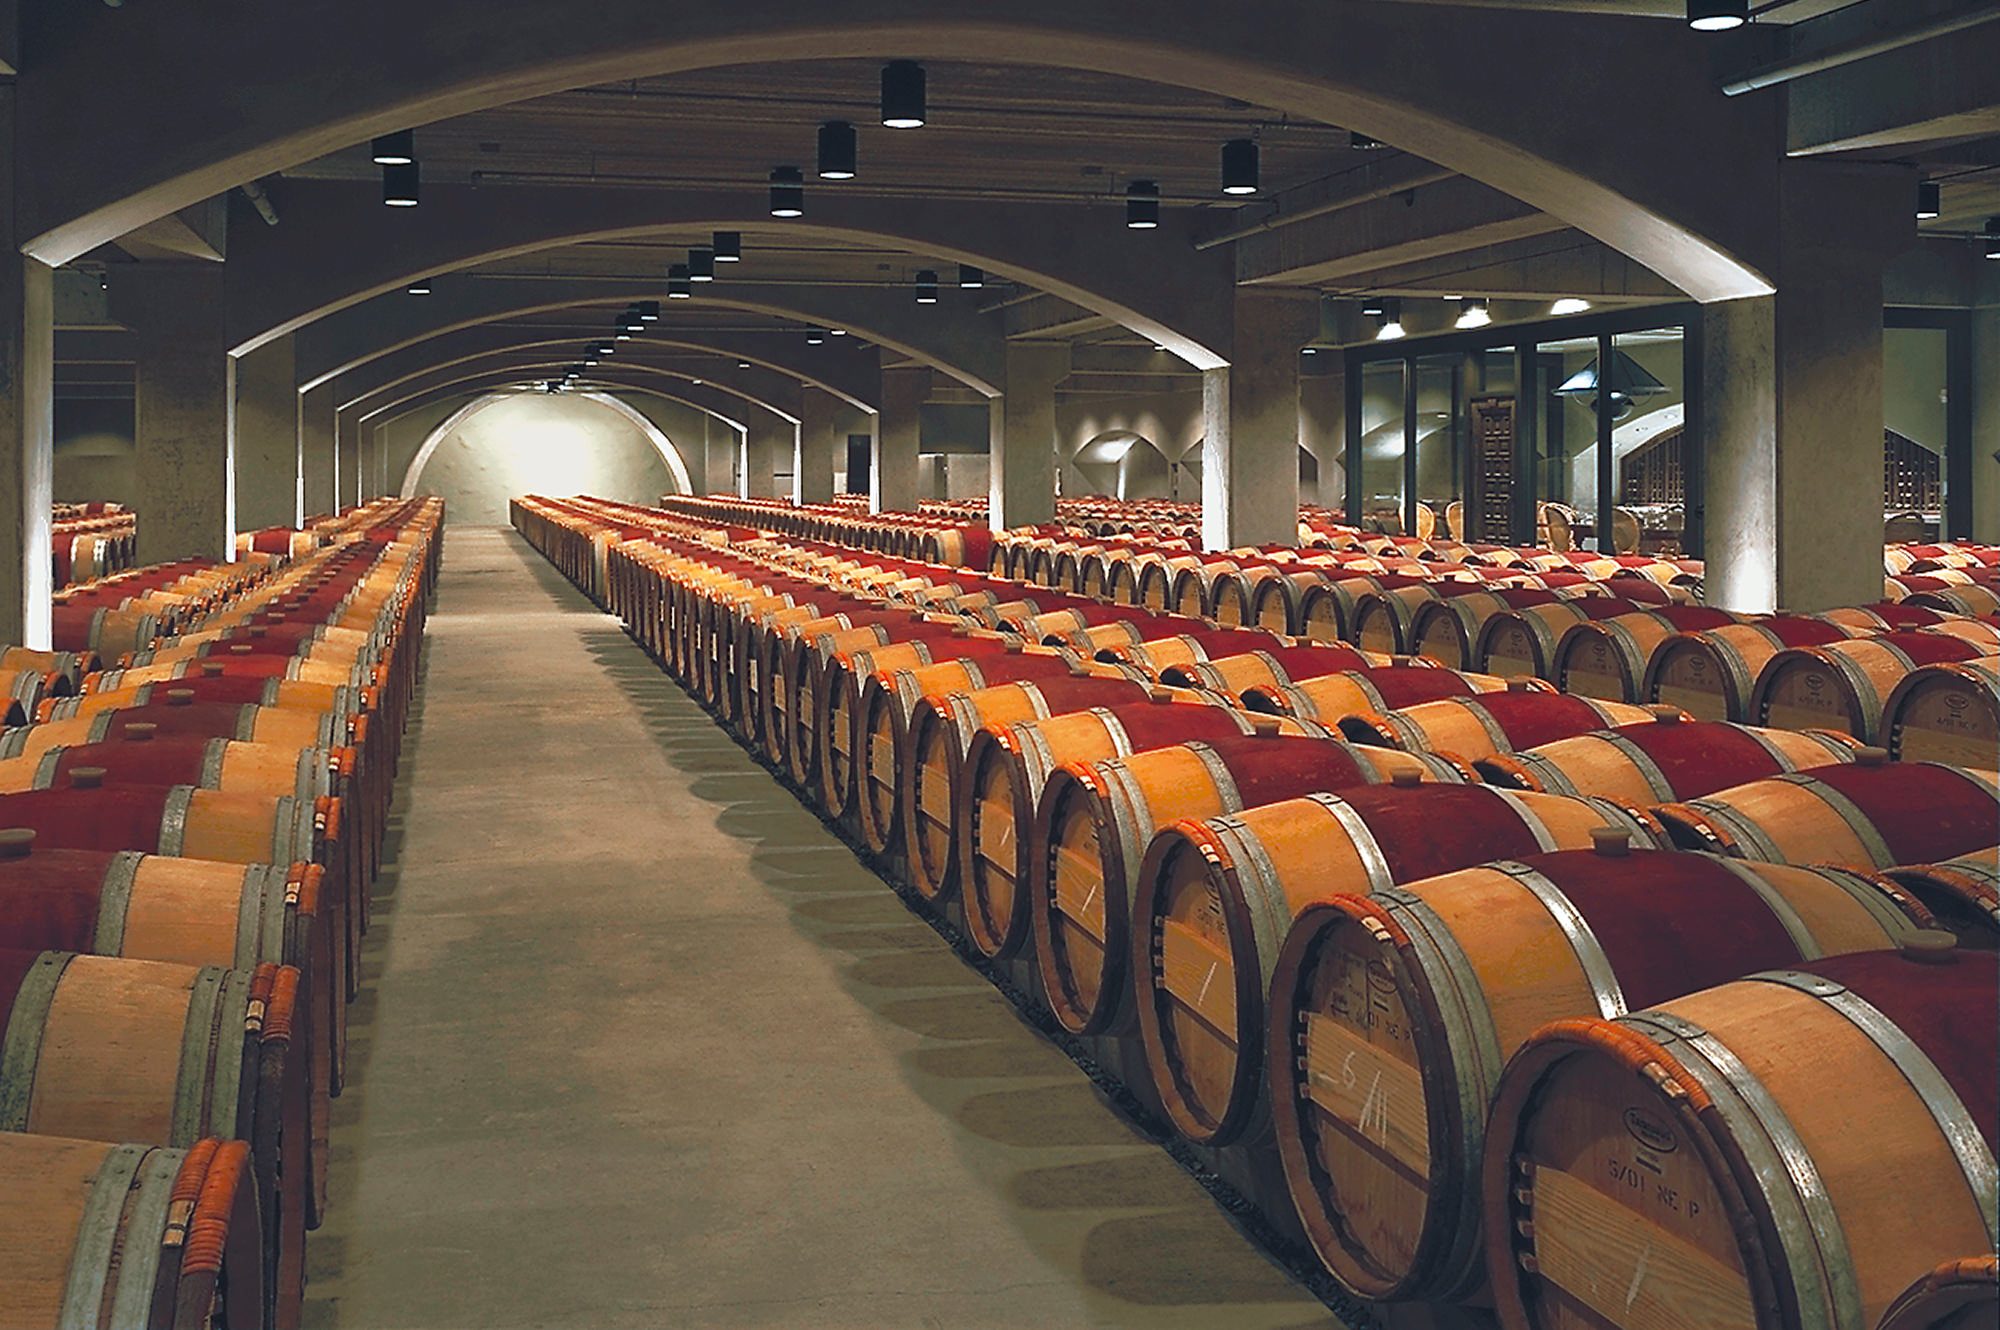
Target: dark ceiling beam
1543, 267
1447, 218
1937, 91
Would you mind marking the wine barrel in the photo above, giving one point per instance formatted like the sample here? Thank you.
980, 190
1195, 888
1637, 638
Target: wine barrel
1095, 819
132, 1235
136, 757
1213, 900
248, 664
104, 1048
1332, 698
1874, 814
1963, 892
882, 723
939, 734
1229, 676
1607, 657
1501, 721
67, 668
1710, 674
1446, 629
1392, 1016
1664, 759
1326, 610
1974, 599
1946, 713
1006, 767
1156, 655
1523, 641
291, 694
1792, 1148
1958, 1295
1844, 685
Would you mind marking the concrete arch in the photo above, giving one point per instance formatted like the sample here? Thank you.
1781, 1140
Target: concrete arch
664, 446
1650, 193
969, 347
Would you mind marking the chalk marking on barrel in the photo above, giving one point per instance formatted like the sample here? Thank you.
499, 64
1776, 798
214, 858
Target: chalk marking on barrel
1638, 1275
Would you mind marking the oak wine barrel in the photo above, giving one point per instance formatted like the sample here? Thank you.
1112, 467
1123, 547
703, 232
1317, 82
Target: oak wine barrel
1946, 713
1958, 1295
1844, 686
1524, 641
1522, 715
1607, 657
1710, 674
1664, 759
1963, 892
1331, 699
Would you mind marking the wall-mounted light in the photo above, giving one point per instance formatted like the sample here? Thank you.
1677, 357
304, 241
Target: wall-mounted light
788, 192
1142, 205
970, 278
903, 95
1239, 166
1717, 15
649, 311
397, 149
1569, 305
679, 284
927, 286
420, 287
701, 264
401, 184
1473, 312
837, 153
1930, 199
1391, 326
728, 246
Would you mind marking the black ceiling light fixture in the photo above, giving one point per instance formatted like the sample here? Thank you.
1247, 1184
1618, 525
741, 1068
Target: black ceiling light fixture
607, 349
837, 154
420, 287
1373, 306
401, 184
635, 322
815, 336
903, 99
649, 311
1390, 325
743, 364
1629, 383
1717, 15
728, 246
970, 278
701, 264
1930, 199
836, 332
1239, 166
397, 149
927, 286
680, 286
1142, 205
1993, 237
1361, 142
788, 192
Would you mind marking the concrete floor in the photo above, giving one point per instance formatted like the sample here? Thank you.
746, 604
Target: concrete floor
642, 1044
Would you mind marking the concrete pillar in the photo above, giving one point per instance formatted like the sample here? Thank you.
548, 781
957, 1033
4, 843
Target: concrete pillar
319, 450
27, 423
1250, 410
893, 480
1022, 453
347, 461
186, 483
264, 435
756, 477
819, 441
1986, 424
1792, 392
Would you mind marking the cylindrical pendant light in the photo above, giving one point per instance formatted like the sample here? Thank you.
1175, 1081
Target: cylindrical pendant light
788, 192
400, 185
649, 311
1993, 237
970, 278
679, 285
1239, 166
606, 349
1372, 307
1361, 142
1142, 205
1717, 15
397, 149
420, 287
927, 286
1930, 199
815, 336
837, 155
903, 95
728, 246
701, 264
743, 364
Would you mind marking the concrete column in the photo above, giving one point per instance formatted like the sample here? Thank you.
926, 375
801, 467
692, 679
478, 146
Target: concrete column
186, 481
319, 450
1250, 408
756, 477
27, 426
819, 441
893, 480
1986, 423
1792, 391
347, 461
264, 435
1022, 453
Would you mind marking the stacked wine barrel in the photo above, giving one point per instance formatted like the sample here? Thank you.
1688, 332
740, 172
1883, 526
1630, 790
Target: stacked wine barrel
187, 839
1480, 992
90, 540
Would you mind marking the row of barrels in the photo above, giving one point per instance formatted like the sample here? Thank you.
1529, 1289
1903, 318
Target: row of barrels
89, 541
186, 847
1508, 1020
964, 544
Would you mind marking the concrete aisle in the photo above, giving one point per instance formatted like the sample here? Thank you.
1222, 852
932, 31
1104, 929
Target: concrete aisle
642, 1044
